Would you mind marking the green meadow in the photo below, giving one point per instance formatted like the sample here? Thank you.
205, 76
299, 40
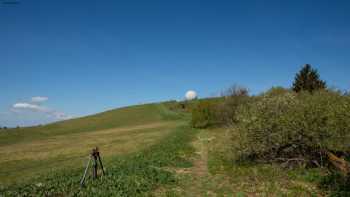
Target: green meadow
147, 150
28, 152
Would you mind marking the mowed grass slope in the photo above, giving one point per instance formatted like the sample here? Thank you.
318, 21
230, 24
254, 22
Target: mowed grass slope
29, 152
134, 115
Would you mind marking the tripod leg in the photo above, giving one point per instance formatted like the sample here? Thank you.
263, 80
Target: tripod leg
100, 161
86, 169
94, 167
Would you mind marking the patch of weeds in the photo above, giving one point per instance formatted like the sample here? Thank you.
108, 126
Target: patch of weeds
171, 193
217, 162
240, 194
313, 175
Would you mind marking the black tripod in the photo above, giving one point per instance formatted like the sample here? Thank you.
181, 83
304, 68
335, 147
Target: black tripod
96, 159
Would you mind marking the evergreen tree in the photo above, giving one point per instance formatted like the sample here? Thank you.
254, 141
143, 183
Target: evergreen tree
308, 79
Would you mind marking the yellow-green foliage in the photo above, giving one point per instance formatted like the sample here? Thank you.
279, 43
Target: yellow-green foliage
226, 111
202, 114
286, 124
205, 112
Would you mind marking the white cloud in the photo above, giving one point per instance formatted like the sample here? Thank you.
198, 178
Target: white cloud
39, 99
35, 107
29, 106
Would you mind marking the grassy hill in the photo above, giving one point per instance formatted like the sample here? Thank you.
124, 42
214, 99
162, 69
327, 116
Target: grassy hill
148, 150
28, 152
134, 115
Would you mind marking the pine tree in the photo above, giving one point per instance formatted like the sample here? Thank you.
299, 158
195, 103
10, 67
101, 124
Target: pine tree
308, 79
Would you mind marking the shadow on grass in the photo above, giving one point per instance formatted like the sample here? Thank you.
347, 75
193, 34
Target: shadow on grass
336, 184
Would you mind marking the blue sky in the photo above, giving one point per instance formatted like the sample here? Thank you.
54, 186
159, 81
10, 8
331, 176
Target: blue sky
90, 56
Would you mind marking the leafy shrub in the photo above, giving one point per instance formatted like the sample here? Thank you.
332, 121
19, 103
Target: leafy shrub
294, 128
233, 98
202, 114
221, 110
181, 106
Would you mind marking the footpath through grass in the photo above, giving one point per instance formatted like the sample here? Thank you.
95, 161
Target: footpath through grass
135, 174
214, 173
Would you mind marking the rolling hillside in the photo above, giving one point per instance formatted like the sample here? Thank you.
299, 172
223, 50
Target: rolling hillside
135, 115
148, 150
28, 152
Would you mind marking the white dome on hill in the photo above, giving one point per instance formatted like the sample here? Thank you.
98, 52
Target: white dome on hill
190, 95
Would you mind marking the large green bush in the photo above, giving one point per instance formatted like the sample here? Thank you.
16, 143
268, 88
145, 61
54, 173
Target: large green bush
285, 126
233, 98
205, 112
202, 114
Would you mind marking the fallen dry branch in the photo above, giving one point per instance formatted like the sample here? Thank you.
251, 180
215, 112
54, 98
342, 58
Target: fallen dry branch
339, 163
287, 162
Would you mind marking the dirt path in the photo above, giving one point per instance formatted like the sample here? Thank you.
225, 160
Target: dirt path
200, 164
211, 175
193, 181
199, 172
